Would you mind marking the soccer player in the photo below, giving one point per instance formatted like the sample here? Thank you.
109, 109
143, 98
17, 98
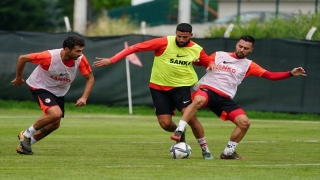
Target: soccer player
49, 82
172, 77
215, 90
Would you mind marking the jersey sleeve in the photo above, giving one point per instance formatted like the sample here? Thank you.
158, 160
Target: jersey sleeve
274, 76
41, 58
255, 70
158, 45
213, 56
84, 66
205, 60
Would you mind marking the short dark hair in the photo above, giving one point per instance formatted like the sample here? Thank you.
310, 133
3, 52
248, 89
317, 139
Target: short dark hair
184, 27
72, 41
247, 38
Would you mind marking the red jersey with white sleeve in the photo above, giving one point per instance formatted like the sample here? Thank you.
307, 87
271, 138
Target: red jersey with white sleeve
53, 74
231, 71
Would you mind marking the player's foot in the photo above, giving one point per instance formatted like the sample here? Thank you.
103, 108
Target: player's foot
179, 136
207, 156
20, 150
25, 142
234, 155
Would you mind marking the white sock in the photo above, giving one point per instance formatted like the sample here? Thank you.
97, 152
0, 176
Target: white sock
182, 125
203, 144
231, 146
29, 132
33, 141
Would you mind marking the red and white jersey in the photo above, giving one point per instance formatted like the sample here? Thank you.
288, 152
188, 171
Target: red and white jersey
230, 73
52, 74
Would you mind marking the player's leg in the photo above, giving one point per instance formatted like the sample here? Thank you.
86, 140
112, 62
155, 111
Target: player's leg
164, 109
229, 110
49, 105
188, 110
45, 131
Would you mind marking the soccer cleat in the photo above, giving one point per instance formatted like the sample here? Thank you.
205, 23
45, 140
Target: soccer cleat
234, 155
24, 143
179, 136
207, 156
20, 150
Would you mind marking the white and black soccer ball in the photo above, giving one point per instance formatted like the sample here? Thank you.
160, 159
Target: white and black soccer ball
180, 150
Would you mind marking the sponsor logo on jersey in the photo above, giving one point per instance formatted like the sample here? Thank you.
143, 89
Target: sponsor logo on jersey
54, 73
180, 62
178, 55
229, 68
225, 62
60, 79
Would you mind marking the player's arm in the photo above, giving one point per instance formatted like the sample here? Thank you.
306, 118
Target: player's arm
86, 71
274, 76
150, 45
206, 61
22, 60
82, 101
256, 70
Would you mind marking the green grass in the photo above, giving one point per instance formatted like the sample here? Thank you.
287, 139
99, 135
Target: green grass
108, 146
145, 110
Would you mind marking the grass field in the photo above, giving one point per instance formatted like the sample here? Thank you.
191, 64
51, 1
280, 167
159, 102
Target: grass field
89, 146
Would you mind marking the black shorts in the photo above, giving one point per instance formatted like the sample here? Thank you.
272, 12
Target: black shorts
46, 99
220, 105
165, 102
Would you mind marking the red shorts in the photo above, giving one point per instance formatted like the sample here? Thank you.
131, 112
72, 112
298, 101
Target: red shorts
225, 108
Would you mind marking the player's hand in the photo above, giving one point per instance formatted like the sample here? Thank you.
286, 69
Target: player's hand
213, 67
299, 71
101, 62
81, 102
17, 82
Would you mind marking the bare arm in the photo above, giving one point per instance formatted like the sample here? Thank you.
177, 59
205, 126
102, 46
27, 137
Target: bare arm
22, 60
82, 101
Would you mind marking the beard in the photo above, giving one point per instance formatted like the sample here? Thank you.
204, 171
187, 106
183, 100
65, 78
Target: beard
240, 55
182, 45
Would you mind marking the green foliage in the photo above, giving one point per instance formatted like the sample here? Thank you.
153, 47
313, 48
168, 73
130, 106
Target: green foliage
99, 5
34, 15
115, 147
23, 15
295, 28
104, 26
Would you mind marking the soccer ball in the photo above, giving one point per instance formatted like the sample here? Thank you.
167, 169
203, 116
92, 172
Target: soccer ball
180, 150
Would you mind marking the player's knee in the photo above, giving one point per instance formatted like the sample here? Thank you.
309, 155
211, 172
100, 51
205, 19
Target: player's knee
242, 122
56, 115
166, 125
54, 126
199, 101
245, 123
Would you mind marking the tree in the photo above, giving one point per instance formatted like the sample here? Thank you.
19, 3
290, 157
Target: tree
23, 15
99, 5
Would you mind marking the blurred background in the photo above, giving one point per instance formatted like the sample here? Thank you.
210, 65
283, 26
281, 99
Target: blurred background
286, 31
152, 17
